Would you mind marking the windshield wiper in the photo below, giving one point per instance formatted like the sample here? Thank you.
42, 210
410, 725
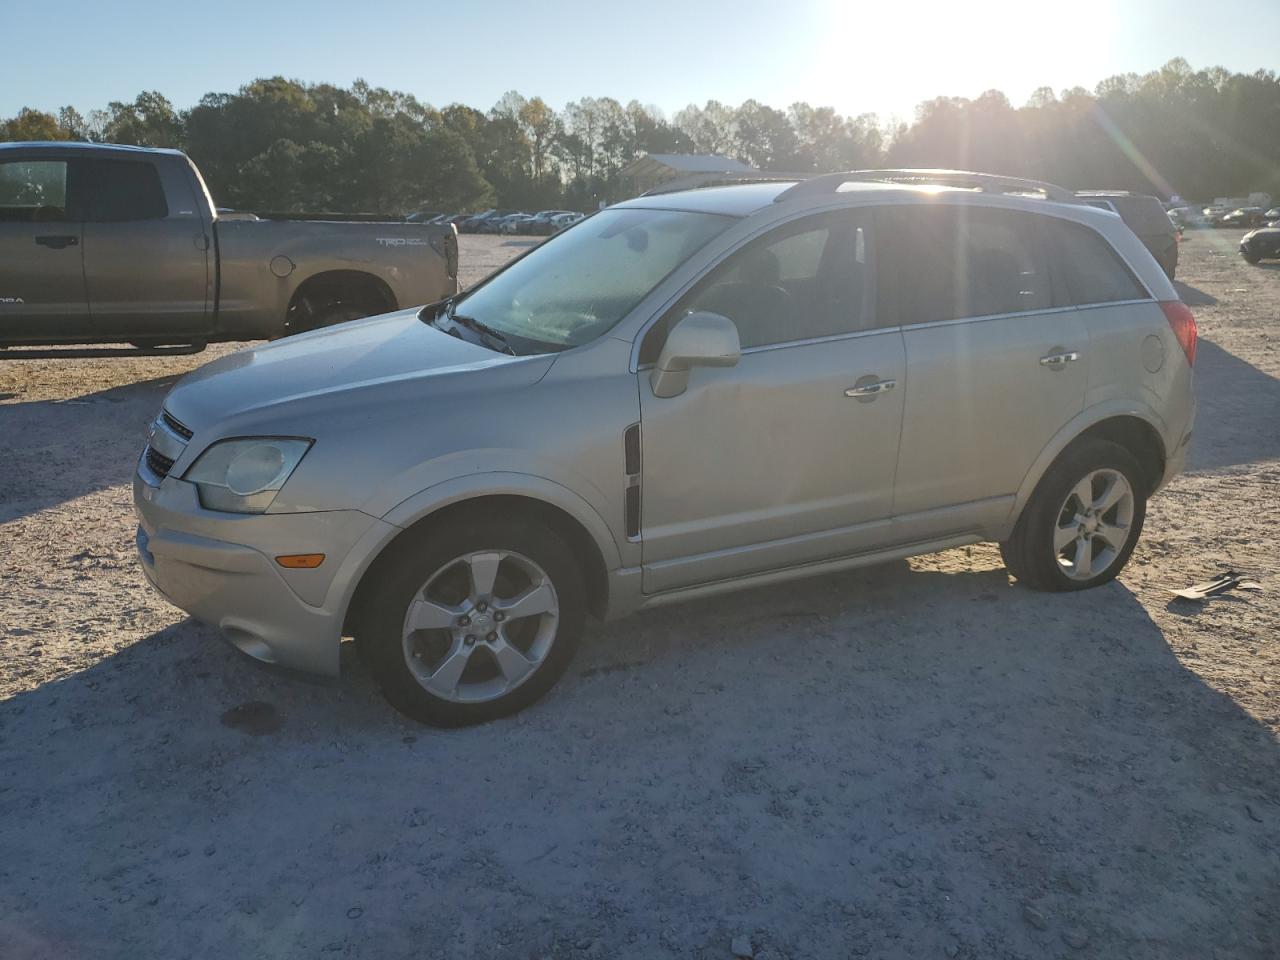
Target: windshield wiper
496, 340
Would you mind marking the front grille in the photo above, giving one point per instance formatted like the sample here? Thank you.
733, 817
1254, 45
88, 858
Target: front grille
158, 463
173, 424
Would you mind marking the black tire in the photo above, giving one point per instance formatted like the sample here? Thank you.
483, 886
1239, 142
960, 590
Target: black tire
401, 577
1029, 552
1251, 258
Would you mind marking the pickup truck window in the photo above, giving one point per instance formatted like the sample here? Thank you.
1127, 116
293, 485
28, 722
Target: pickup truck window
33, 191
116, 190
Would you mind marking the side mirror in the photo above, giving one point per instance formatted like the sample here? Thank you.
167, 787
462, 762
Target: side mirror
701, 339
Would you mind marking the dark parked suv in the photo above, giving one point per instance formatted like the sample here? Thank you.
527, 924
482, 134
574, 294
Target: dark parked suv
1146, 217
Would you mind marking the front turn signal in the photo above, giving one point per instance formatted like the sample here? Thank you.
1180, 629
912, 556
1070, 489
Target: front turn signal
301, 561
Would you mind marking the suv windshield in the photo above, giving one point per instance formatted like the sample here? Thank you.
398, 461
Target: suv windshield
574, 288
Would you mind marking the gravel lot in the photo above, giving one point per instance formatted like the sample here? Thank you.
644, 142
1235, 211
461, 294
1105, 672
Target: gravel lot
917, 760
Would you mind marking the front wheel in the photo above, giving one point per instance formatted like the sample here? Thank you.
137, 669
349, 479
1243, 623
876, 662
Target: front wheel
474, 620
1083, 521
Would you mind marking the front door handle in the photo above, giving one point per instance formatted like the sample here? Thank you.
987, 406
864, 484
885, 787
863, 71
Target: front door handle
57, 242
1056, 361
869, 391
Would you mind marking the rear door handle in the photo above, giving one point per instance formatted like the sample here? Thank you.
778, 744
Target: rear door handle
57, 242
1057, 361
871, 390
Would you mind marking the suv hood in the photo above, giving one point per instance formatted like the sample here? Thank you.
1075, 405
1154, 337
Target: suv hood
338, 370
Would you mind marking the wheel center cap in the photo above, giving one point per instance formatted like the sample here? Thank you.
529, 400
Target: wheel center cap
1090, 524
482, 621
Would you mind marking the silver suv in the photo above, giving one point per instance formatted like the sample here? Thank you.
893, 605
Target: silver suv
683, 394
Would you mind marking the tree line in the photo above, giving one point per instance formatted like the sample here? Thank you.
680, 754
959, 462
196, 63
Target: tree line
278, 144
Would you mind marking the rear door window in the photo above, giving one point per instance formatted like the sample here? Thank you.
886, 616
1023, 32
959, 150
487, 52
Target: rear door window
1090, 270
33, 191
122, 190
954, 262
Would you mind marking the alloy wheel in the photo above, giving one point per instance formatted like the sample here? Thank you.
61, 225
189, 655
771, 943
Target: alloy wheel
480, 626
1094, 524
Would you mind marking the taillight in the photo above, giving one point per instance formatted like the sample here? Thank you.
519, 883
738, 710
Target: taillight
1183, 324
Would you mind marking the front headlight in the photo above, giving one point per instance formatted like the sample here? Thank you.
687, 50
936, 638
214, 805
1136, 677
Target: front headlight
244, 476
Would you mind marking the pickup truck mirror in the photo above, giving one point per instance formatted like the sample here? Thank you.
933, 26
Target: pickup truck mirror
701, 339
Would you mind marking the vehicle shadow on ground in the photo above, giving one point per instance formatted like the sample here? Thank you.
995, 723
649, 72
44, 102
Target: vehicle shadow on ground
888, 762
1238, 411
1193, 296
52, 451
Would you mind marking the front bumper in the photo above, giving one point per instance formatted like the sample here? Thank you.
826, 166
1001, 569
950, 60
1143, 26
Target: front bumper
220, 568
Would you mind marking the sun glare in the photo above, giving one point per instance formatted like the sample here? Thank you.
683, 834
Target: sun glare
874, 55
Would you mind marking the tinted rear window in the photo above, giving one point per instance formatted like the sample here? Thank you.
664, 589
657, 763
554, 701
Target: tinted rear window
1144, 214
116, 190
1090, 270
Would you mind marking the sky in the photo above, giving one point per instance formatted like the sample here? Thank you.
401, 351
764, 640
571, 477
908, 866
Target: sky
856, 57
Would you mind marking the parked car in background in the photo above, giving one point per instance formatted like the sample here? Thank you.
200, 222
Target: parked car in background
1273, 214
494, 223
1244, 217
1188, 218
562, 220
423, 216
1146, 217
1261, 244
685, 394
111, 244
477, 223
514, 223
540, 224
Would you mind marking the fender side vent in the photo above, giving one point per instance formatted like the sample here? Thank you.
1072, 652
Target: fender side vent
632, 508
631, 449
631, 494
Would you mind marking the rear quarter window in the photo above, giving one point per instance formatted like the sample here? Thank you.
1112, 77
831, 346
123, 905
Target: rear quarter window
1089, 269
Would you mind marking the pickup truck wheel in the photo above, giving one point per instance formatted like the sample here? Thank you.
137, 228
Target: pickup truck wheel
329, 314
1083, 521
474, 620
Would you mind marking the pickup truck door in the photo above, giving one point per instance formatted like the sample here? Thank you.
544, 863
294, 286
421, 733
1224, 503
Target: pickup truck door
42, 289
146, 250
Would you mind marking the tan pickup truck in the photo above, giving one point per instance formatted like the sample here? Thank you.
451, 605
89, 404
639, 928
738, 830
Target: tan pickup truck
111, 244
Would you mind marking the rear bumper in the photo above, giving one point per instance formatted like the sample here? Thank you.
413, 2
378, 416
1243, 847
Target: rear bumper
220, 568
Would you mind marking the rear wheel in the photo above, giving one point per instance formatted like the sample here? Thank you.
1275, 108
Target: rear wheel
1250, 257
473, 621
1083, 521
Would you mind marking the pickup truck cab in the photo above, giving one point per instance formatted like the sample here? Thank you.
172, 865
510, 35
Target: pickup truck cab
111, 244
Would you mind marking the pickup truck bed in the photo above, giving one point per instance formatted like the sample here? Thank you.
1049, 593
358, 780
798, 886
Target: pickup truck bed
110, 244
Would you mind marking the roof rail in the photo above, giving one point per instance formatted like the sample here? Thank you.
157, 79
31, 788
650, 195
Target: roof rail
986, 182
698, 181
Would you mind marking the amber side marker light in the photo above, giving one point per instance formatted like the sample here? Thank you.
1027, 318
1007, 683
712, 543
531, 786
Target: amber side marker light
301, 561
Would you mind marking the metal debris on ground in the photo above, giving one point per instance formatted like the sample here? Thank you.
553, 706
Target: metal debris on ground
1227, 580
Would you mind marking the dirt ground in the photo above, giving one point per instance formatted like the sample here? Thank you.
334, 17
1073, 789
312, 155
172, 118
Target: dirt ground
912, 761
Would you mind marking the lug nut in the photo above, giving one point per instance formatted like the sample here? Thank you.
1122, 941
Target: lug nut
482, 606
470, 639
499, 616
492, 636
464, 621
